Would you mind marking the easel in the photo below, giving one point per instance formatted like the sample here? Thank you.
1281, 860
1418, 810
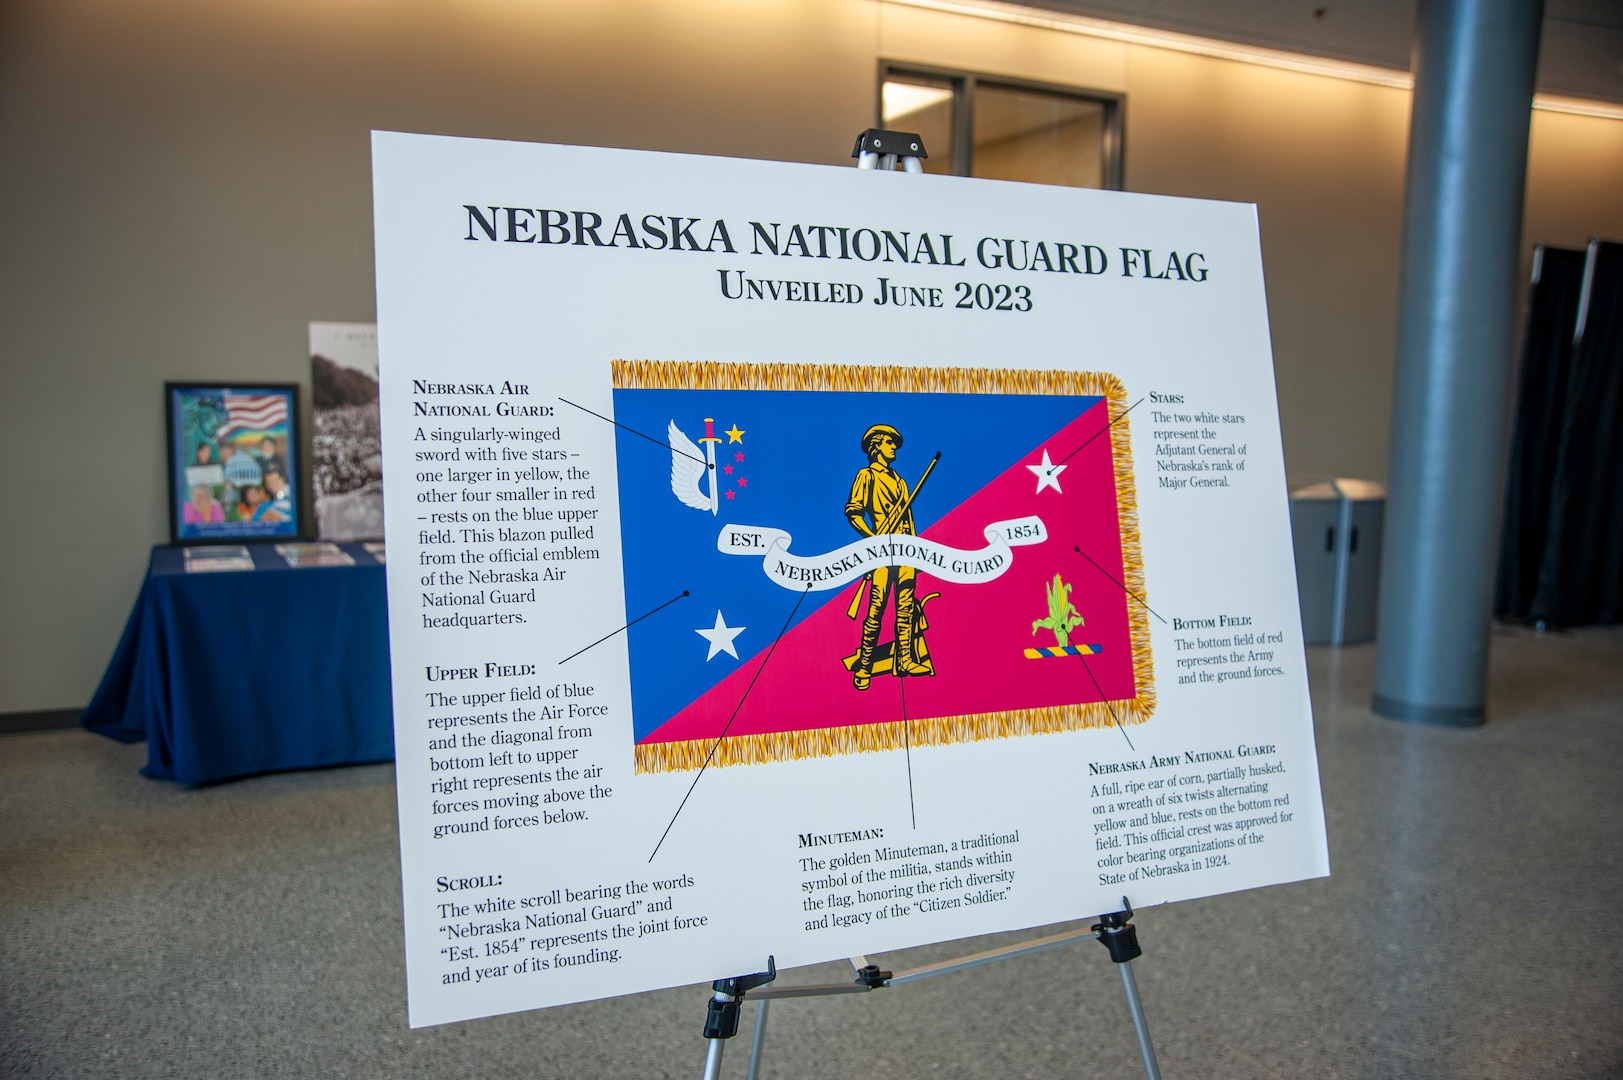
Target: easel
886, 150
1115, 931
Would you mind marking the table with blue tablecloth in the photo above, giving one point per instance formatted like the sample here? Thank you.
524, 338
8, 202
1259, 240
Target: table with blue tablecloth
252, 671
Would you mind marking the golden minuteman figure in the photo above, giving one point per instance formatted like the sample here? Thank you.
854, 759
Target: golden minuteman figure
880, 505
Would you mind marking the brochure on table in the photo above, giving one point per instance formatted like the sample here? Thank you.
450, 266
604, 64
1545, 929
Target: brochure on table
949, 521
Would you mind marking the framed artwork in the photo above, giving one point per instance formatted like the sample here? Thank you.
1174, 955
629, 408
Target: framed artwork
234, 461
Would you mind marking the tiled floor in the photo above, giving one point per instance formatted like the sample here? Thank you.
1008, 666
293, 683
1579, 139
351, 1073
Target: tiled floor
1471, 927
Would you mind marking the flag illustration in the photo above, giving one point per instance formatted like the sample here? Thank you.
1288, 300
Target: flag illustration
882, 526
252, 412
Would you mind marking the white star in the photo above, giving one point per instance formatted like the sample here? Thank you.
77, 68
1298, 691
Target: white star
1047, 474
721, 637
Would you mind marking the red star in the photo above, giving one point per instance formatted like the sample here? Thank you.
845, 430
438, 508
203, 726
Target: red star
739, 456
728, 469
742, 482
729, 493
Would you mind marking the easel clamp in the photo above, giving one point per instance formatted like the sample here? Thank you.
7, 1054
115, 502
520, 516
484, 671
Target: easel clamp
880, 141
721, 1020
883, 150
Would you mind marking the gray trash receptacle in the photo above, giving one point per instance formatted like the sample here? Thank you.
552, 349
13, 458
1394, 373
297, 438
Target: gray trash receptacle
1315, 511
1336, 533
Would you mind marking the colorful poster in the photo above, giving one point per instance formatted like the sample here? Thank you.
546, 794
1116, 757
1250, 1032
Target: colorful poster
808, 562
233, 462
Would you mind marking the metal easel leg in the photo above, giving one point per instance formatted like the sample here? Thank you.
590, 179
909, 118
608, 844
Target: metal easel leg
759, 1038
1141, 1027
1120, 936
712, 1057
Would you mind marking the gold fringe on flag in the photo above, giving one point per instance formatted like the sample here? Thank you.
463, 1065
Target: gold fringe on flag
686, 755
713, 375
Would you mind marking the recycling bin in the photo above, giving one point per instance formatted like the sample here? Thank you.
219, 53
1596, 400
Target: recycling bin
1336, 532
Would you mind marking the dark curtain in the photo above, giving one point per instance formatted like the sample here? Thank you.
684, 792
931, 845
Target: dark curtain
1535, 437
1581, 575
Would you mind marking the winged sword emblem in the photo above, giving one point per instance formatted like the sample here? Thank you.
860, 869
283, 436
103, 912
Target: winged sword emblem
693, 470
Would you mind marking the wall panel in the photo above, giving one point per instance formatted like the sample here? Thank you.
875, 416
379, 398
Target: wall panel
186, 184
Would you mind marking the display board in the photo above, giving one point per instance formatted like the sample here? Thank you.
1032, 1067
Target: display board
816, 562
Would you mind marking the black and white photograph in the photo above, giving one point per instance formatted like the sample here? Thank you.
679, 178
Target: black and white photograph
345, 455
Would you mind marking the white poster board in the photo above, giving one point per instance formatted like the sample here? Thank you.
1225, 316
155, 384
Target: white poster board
679, 393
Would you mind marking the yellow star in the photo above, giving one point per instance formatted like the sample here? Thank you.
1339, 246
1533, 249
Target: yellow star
734, 435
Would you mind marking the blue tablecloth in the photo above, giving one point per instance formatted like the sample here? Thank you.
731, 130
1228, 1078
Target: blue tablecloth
231, 674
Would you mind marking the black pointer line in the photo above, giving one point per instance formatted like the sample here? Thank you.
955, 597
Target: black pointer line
627, 626
634, 431
717, 744
1101, 692
907, 747
1123, 588
1090, 438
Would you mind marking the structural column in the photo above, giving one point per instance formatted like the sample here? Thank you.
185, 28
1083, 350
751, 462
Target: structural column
1474, 67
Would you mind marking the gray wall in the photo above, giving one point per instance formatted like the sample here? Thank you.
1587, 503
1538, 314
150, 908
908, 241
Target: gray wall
185, 184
